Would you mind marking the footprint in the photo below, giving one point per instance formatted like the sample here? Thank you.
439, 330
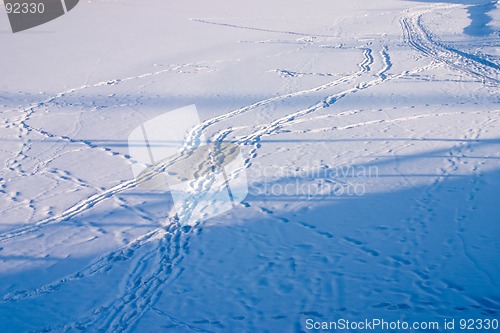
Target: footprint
313, 314
279, 317
401, 260
267, 211
353, 241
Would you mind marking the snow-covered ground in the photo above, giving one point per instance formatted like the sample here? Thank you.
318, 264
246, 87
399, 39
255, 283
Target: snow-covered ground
371, 142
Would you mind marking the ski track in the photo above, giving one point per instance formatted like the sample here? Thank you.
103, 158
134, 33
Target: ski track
384, 54
142, 287
417, 36
382, 121
260, 29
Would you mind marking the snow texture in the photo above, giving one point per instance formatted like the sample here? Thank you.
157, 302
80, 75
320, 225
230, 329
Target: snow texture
370, 136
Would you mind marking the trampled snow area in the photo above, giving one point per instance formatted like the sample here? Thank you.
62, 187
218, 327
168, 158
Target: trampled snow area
370, 137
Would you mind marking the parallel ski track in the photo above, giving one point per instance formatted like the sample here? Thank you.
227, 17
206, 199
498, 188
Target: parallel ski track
419, 38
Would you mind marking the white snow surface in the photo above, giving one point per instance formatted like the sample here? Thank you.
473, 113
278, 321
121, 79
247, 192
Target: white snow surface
392, 90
